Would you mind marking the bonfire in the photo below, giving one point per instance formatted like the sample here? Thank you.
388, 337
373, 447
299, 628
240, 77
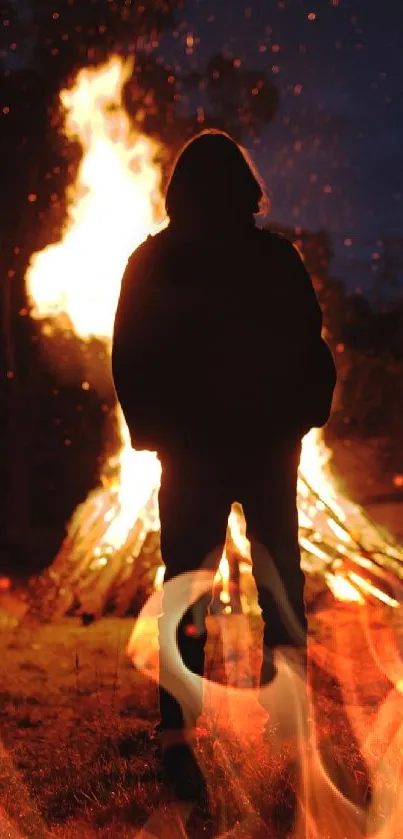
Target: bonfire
111, 549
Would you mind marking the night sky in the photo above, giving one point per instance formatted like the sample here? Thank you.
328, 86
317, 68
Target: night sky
332, 157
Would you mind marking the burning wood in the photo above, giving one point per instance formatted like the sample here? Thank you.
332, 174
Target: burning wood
111, 548
92, 575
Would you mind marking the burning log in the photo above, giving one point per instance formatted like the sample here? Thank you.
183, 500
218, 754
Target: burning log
89, 576
341, 541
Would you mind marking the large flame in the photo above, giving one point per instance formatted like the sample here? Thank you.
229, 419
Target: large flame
113, 205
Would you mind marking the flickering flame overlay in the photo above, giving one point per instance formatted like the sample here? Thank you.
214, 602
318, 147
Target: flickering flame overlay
329, 796
323, 809
112, 207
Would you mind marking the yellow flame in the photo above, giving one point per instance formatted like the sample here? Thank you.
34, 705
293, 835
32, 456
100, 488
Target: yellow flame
111, 209
237, 526
342, 589
314, 459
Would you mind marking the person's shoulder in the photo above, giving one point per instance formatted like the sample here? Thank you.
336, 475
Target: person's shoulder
278, 243
148, 255
149, 247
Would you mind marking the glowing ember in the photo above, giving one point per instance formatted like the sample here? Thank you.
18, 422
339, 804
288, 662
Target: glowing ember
5, 583
114, 204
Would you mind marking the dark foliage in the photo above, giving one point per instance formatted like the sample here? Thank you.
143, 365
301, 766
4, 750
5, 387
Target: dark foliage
367, 342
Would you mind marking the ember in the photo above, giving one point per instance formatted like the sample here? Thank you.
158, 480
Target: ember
111, 545
5, 583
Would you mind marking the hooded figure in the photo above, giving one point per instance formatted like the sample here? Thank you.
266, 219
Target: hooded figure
220, 366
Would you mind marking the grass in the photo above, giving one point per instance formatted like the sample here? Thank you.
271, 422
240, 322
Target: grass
76, 719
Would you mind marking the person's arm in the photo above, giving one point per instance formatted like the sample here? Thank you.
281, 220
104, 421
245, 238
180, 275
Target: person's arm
136, 350
318, 378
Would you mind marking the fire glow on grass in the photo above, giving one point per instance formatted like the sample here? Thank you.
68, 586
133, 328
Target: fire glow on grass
112, 207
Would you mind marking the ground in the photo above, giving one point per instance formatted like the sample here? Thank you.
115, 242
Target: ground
76, 720
77, 756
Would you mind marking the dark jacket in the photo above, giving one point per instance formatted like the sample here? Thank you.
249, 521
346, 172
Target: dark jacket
217, 342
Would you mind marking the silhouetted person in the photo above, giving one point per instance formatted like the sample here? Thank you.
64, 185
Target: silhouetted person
219, 366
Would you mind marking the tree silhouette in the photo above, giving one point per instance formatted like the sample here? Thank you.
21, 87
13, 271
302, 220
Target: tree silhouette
172, 108
388, 270
235, 100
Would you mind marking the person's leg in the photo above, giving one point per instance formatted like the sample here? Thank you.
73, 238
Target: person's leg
193, 513
271, 513
272, 519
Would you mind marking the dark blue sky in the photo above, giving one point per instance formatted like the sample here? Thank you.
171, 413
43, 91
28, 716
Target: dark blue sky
332, 157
